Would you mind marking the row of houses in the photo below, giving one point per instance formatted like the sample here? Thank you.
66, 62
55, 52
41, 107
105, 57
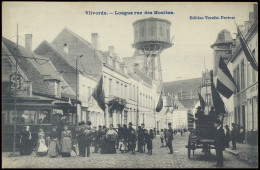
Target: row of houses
242, 106
54, 84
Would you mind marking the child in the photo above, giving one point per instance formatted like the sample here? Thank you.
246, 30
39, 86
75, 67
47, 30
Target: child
148, 141
162, 137
132, 141
41, 145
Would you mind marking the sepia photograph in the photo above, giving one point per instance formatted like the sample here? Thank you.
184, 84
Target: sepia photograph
129, 85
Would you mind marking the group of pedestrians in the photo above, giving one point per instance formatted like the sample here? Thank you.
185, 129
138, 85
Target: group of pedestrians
128, 138
104, 140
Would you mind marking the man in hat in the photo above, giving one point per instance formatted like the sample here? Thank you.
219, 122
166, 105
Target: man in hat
81, 138
138, 138
141, 138
130, 128
119, 134
219, 142
227, 136
234, 134
212, 116
169, 138
95, 139
88, 135
199, 115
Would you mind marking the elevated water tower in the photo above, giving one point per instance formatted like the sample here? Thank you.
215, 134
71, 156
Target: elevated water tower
152, 36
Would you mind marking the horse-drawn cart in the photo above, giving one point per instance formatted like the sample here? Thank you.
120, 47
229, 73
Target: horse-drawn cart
201, 137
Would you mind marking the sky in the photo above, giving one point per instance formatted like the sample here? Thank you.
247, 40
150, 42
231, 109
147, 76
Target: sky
191, 38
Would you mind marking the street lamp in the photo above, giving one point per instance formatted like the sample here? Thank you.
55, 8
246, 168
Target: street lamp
77, 86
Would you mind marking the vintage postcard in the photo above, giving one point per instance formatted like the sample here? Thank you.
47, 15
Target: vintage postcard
129, 84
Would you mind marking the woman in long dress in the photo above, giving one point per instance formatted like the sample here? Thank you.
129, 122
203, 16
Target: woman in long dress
111, 136
41, 145
66, 143
25, 142
54, 146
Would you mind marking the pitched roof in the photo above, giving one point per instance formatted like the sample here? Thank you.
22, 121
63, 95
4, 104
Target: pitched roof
33, 75
189, 103
62, 66
143, 76
224, 36
97, 52
36, 71
185, 86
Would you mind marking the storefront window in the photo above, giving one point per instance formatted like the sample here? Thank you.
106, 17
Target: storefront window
44, 117
26, 117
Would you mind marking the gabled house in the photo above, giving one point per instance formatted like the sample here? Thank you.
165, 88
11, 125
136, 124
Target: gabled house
40, 99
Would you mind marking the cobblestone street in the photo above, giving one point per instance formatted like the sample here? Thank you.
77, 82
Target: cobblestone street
159, 159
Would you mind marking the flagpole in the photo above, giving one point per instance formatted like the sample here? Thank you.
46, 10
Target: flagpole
15, 89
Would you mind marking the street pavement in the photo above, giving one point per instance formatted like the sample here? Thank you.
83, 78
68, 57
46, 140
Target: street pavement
159, 159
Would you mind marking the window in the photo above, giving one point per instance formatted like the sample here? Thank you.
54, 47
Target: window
242, 75
237, 79
65, 48
125, 117
253, 71
130, 91
89, 92
44, 117
110, 87
26, 117
248, 75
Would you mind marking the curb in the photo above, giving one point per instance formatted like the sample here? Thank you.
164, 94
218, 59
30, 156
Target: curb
241, 157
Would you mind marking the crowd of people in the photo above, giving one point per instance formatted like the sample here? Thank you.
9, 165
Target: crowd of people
104, 140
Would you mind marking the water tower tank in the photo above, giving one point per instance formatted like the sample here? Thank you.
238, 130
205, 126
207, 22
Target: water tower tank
152, 34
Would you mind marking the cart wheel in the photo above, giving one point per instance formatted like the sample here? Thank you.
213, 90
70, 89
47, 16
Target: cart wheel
189, 149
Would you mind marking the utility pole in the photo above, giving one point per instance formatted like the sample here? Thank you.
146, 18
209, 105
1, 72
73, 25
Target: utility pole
15, 89
137, 105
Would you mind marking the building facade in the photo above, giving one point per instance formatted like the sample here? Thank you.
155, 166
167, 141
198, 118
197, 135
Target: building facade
242, 107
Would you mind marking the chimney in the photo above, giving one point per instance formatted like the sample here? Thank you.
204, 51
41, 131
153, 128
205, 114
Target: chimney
28, 42
94, 40
111, 50
256, 12
251, 17
247, 24
241, 28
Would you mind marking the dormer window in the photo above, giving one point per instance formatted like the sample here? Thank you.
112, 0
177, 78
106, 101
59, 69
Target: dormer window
66, 48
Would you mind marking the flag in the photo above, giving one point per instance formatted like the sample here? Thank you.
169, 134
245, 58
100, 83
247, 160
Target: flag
217, 101
160, 104
224, 81
172, 105
247, 51
202, 102
99, 94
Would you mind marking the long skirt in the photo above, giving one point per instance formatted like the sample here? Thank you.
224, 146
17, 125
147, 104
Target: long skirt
110, 147
25, 148
41, 148
54, 148
66, 146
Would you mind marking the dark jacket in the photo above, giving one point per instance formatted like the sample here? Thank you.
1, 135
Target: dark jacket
220, 139
169, 134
